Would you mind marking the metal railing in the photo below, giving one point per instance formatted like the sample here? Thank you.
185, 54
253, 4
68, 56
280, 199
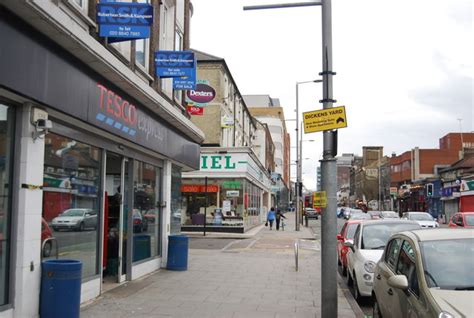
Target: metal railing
304, 244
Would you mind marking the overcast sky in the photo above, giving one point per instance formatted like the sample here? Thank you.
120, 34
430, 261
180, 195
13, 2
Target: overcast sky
404, 68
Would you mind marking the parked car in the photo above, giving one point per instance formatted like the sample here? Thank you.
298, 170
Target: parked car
423, 218
360, 216
140, 224
389, 215
311, 213
45, 234
426, 274
375, 215
346, 235
151, 216
349, 212
369, 242
462, 220
75, 219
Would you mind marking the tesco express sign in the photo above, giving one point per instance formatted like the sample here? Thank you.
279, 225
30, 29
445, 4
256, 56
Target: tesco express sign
202, 94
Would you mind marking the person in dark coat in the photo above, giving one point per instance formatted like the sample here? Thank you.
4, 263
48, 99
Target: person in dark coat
278, 217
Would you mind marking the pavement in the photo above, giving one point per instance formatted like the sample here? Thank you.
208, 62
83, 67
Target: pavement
251, 275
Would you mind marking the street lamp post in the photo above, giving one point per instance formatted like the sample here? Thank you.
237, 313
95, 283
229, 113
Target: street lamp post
328, 164
298, 158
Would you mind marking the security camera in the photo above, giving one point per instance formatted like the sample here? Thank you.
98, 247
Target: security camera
42, 126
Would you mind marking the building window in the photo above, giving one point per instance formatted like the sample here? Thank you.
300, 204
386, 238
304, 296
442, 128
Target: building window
71, 200
146, 211
124, 48
142, 49
81, 3
6, 166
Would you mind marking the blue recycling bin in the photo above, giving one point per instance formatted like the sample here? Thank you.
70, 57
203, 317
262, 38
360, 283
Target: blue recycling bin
60, 288
178, 252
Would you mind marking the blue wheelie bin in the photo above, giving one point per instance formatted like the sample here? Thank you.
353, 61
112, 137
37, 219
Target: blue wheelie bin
60, 288
178, 252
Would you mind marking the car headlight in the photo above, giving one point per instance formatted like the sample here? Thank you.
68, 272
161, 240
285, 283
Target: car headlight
445, 314
369, 266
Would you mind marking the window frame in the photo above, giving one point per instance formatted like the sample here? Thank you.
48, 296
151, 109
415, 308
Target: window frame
387, 255
412, 258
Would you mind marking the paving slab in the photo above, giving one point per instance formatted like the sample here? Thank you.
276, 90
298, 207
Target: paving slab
253, 276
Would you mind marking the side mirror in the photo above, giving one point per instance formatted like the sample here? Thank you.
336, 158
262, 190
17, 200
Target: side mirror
349, 245
398, 281
459, 223
339, 237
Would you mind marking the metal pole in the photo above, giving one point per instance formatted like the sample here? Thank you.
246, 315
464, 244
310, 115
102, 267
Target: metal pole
380, 191
205, 206
301, 173
298, 159
329, 177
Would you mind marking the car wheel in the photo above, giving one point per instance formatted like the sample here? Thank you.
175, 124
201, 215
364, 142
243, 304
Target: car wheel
376, 313
357, 295
81, 227
47, 249
348, 279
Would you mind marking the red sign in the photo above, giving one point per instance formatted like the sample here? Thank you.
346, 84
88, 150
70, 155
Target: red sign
195, 110
199, 188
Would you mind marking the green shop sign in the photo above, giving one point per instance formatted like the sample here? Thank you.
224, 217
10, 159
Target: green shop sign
231, 185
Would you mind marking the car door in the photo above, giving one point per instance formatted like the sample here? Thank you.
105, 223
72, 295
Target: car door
350, 253
411, 304
386, 299
340, 243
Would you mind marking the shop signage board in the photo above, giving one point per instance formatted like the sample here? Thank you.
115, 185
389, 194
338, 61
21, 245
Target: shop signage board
467, 185
325, 119
227, 121
319, 199
124, 21
195, 110
232, 193
199, 188
393, 190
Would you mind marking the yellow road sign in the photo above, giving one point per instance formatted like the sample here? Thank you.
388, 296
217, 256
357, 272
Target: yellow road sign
325, 119
319, 199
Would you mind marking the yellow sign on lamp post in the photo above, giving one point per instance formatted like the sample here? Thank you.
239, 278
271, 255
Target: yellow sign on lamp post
325, 119
319, 199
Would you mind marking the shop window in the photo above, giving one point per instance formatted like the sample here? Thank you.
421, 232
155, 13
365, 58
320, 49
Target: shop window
71, 200
176, 203
146, 211
6, 167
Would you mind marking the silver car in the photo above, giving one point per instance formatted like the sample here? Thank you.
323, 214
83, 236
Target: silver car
423, 218
75, 219
426, 274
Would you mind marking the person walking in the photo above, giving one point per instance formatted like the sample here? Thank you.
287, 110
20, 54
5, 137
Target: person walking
278, 217
271, 217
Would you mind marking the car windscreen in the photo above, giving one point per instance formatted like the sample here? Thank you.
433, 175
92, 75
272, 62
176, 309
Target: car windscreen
375, 236
73, 212
421, 217
448, 263
391, 215
469, 219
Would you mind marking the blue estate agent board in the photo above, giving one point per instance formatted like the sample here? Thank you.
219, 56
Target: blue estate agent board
123, 21
185, 83
175, 64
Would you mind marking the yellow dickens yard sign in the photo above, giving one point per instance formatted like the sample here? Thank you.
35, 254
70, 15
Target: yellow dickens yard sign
319, 199
325, 119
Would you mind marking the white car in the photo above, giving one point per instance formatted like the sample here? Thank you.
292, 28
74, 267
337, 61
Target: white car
369, 242
75, 219
423, 218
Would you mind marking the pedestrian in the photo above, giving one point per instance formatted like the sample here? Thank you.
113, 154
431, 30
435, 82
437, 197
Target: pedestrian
278, 217
271, 217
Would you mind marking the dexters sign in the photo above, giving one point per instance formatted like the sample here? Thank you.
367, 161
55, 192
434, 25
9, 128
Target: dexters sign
122, 21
